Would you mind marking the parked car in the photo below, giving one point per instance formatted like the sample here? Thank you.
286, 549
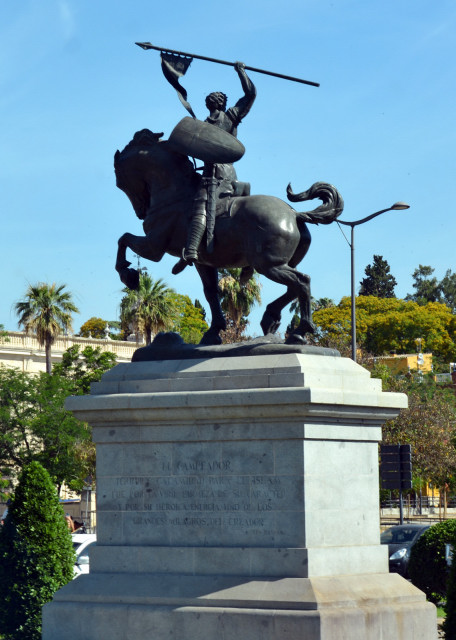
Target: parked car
83, 544
400, 539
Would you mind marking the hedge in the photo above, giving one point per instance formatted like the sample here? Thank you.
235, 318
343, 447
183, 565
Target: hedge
427, 568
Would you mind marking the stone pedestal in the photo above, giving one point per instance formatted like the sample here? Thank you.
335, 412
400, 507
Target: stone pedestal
237, 498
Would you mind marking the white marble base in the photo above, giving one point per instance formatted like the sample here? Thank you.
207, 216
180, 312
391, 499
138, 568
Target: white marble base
238, 496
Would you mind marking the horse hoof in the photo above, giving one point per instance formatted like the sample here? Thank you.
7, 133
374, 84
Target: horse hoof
210, 339
130, 278
269, 324
306, 326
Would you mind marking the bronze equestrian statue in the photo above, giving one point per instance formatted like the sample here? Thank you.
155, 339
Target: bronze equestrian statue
211, 220
252, 232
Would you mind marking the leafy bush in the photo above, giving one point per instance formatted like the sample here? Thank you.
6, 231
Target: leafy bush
427, 567
449, 624
36, 554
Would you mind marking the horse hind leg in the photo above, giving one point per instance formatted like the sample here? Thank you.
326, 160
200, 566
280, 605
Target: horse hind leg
272, 316
209, 279
298, 286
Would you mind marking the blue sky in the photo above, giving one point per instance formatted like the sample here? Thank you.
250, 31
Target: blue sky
381, 128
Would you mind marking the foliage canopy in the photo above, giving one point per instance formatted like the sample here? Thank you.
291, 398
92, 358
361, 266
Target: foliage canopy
427, 288
148, 309
378, 281
34, 426
386, 324
428, 425
237, 298
189, 319
81, 368
93, 327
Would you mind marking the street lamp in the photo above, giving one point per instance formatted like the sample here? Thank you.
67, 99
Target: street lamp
397, 206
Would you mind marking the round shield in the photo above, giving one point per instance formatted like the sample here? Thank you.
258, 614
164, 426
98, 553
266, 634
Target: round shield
205, 141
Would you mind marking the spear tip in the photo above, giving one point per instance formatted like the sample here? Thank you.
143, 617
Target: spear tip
144, 45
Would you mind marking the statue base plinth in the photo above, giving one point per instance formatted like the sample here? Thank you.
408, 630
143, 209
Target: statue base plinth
238, 498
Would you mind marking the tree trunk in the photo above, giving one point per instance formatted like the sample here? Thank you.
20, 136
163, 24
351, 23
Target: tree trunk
48, 356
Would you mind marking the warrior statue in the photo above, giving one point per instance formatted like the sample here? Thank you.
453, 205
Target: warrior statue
217, 179
178, 206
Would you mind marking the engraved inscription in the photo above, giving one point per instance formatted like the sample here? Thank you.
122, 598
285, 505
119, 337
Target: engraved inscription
203, 493
205, 500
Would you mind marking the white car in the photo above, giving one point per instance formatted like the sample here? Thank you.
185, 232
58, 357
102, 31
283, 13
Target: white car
83, 543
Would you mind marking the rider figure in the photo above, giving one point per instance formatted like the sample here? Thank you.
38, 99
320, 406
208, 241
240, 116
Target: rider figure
223, 173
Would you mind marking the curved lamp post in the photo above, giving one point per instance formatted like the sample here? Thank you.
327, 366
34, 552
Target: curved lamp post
397, 206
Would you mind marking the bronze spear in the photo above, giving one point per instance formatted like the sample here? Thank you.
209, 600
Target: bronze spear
148, 45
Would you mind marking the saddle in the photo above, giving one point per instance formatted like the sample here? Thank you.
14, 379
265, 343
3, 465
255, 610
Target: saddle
225, 198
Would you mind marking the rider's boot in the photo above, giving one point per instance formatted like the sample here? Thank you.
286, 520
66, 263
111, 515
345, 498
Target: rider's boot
195, 234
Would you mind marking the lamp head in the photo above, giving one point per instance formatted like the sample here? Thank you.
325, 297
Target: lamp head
399, 206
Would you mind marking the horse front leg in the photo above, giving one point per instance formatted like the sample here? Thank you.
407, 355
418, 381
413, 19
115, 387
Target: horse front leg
130, 277
143, 247
209, 279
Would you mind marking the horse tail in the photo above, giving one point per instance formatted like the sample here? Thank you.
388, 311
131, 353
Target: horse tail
332, 206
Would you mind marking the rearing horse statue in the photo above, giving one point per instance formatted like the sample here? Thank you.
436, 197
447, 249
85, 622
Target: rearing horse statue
254, 232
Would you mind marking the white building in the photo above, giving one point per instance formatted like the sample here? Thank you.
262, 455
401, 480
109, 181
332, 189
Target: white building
22, 351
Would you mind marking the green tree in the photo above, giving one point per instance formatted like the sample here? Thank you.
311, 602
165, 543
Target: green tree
320, 303
189, 320
150, 308
34, 426
448, 289
46, 311
237, 299
36, 554
378, 281
386, 324
94, 328
199, 306
427, 289
81, 368
428, 425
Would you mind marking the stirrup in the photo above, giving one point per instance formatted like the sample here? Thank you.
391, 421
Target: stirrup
190, 256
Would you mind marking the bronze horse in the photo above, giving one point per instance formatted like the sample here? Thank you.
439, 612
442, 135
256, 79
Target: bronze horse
252, 232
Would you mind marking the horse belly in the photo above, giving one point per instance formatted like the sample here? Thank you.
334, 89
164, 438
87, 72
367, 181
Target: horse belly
261, 229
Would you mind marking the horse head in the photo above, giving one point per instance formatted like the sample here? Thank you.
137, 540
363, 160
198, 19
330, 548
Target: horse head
151, 174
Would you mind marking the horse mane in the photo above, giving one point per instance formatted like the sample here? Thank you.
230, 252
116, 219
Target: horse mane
151, 174
145, 137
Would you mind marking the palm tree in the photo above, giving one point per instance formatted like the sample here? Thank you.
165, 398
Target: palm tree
46, 311
236, 298
150, 308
